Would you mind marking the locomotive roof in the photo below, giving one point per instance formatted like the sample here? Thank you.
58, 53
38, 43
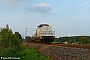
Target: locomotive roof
41, 25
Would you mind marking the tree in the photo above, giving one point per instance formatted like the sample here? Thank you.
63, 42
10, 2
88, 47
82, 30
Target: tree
5, 36
85, 40
18, 35
27, 38
70, 41
57, 40
9, 42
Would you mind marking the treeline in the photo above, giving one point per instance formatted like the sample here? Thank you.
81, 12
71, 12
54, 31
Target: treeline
74, 39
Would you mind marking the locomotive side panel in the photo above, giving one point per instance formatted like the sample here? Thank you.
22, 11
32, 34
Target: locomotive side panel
38, 32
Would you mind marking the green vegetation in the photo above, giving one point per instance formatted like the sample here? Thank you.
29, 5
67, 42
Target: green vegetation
27, 38
11, 45
58, 41
70, 41
27, 53
73, 39
85, 40
9, 41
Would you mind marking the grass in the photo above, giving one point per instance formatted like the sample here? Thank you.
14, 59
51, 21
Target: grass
28, 53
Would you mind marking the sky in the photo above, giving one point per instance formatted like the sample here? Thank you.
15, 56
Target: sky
67, 17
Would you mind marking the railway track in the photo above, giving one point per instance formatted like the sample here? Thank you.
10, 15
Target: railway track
85, 46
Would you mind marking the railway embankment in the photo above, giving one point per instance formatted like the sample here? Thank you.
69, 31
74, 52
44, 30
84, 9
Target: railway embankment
61, 52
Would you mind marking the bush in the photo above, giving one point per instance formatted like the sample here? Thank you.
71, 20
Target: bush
28, 53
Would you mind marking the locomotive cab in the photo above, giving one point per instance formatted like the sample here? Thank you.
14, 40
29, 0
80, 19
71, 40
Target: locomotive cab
44, 33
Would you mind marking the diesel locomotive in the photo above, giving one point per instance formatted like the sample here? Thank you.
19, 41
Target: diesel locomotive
44, 34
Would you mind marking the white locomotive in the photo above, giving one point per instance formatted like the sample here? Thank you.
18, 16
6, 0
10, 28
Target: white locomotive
44, 33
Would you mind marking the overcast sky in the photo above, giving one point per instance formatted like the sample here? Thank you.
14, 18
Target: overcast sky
67, 17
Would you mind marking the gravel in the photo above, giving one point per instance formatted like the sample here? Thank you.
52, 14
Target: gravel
61, 53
